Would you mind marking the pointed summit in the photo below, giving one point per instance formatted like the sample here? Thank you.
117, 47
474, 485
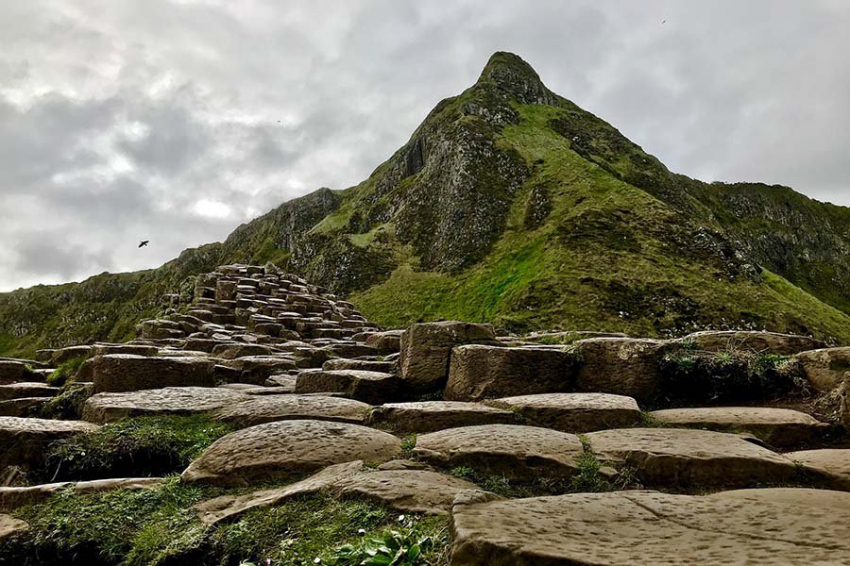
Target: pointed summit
515, 79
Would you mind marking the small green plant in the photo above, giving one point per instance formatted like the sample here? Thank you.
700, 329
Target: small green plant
65, 372
408, 443
392, 548
68, 404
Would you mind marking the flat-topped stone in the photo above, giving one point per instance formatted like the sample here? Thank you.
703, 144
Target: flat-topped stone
479, 372
126, 372
431, 416
623, 366
12, 498
825, 369
257, 369
574, 412
134, 349
832, 464
755, 341
385, 342
367, 386
516, 451
63, 355
233, 351
781, 428
687, 457
12, 371
426, 349
288, 449
26, 389
23, 440
22, 406
362, 365
269, 408
771, 527
111, 407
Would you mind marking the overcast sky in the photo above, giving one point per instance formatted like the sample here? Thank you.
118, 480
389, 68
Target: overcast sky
175, 121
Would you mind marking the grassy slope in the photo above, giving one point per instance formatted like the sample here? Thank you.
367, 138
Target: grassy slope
592, 264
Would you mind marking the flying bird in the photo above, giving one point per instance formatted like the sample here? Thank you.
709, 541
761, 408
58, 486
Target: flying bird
144, 243
664, 22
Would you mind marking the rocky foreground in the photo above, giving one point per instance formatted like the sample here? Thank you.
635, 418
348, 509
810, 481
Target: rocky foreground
447, 442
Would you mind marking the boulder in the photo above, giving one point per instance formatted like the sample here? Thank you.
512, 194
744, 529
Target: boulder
125, 372
833, 465
431, 416
268, 408
288, 449
685, 457
111, 407
367, 386
781, 428
781, 527
427, 347
762, 342
23, 441
479, 372
574, 412
517, 452
623, 366
825, 368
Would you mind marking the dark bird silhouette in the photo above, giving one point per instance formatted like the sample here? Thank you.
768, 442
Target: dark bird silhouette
664, 22
144, 243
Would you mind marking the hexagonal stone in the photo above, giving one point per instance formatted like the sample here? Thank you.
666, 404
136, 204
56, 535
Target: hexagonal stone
125, 372
832, 464
778, 527
363, 365
777, 427
367, 386
385, 342
238, 350
13, 371
134, 349
111, 407
431, 416
269, 408
257, 369
288, 449
24, 440
426, 349
21, 407
574, 412
479, 372
685, 457
414, 491
63, 355
26, 389
622, 366
519, 452
825, 369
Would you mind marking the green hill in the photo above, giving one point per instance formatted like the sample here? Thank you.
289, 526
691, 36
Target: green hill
512, 205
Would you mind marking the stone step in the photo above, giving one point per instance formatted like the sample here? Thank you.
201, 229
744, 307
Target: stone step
25, 439
269, 408
574, 412
26, 389
831, 464
367, 386
433, 416
111, 407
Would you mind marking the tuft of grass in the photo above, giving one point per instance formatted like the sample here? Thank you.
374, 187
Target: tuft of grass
142, 446
68, 404
65, 372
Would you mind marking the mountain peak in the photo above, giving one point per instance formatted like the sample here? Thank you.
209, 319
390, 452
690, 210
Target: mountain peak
516, 79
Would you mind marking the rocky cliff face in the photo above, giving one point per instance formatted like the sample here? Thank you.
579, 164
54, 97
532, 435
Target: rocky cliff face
512, 205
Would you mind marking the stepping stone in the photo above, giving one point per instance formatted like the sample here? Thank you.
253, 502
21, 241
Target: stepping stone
124, 372
13, 372
26, 389
825, 369
427, 347
762, 342
134, 349
287, 449
284, 381
363, 365
781, 527
233, 351
111, 407
23, 441
574, 412
367, 386
685, 457
257, 369
385, 342
269, 408
431, 416
833, 464
781, 428
515, 451
479, 372
12, 498
623, 366
63, 355
22, 407
11, 527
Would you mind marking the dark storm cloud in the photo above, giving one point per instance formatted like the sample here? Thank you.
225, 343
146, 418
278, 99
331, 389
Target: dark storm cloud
176, 120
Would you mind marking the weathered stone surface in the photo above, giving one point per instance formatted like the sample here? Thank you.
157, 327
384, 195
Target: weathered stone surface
22, 407
111, 407
123, 372
269, 408
479, 372
362, 365
13, 372
825, 368
771, 527
431, 416
781, 428
133, 349
26, 389
233, 351
426, 349
22, 441
623, 366
257, 369
288, 449
764, 342
413, 491
13, 497
11, 527
832, 464
285, 381
63, 355
574, 412
520, 452
685, 457
367, 386
385, 342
